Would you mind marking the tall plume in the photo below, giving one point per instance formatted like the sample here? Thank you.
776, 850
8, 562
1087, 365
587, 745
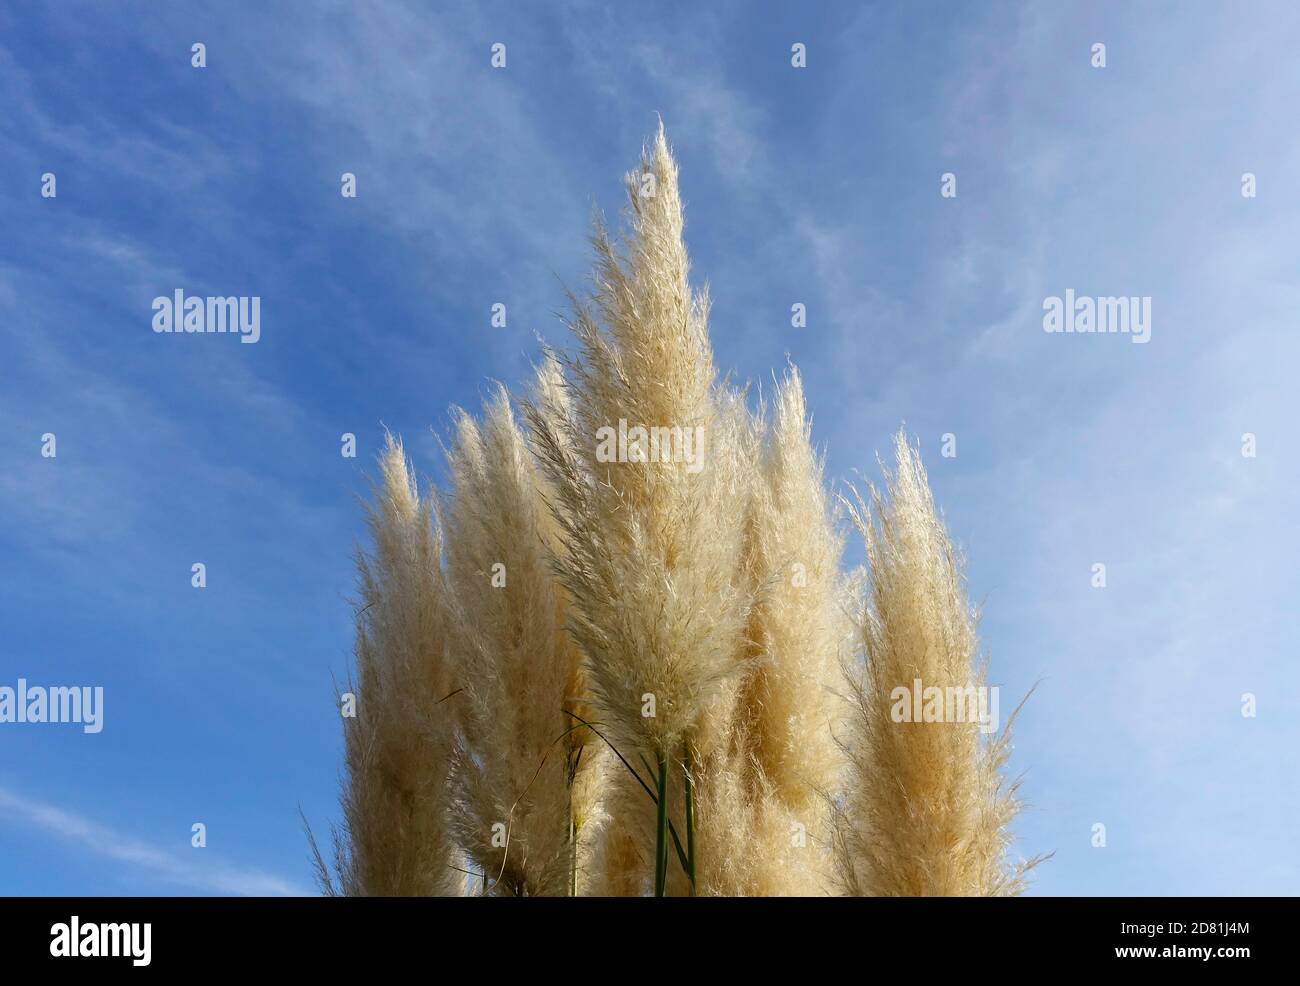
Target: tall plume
517, 758
396, 839
651, 548
928, 811
800, 633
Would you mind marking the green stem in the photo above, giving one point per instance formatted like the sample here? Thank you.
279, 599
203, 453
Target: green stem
672, 829
661, 830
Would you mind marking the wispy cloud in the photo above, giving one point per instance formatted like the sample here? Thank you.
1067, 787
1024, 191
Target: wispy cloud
212, 877
817, 186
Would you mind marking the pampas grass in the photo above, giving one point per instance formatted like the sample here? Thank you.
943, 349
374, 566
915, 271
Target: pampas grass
649, 673
396, 838
514, 764
648, 546
928, 811
792, 707
651, 550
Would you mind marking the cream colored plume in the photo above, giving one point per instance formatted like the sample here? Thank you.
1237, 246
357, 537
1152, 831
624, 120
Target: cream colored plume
518, 812
651, 548
396, 839
928, 810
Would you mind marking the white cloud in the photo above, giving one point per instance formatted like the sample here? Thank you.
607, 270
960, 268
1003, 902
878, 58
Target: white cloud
213, 877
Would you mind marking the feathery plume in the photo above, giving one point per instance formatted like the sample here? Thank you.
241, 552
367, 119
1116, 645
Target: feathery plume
517, 756
396, 839
799, 632
648, 491
928, 811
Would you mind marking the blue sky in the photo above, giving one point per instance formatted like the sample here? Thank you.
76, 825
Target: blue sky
476, 186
